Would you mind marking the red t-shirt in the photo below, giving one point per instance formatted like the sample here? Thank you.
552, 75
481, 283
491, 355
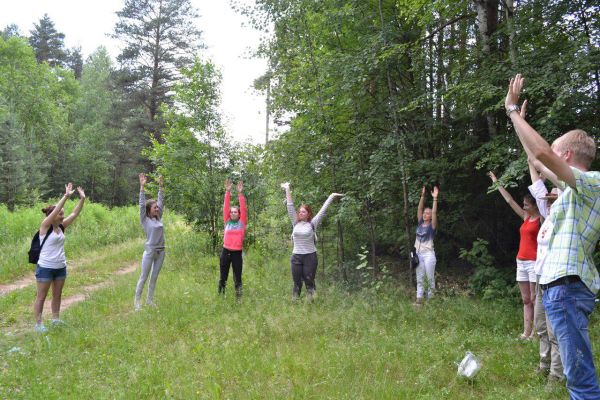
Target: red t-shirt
528, 242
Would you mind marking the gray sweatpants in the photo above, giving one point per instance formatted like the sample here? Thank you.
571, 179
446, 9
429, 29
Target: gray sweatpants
151, 261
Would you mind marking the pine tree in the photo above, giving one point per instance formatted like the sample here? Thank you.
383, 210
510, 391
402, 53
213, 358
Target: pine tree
48, 43
160, 38
75, 61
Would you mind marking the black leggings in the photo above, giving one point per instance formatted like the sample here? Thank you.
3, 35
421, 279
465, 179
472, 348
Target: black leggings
231, 258
304, 268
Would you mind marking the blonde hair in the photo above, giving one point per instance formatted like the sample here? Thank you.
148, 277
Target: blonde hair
579, 143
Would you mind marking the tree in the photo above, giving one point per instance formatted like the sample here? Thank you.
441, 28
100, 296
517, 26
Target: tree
10, 31
194, 155
48, 43
160, 38
74, 61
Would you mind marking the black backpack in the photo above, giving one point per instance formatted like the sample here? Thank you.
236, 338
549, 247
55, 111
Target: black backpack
36, 248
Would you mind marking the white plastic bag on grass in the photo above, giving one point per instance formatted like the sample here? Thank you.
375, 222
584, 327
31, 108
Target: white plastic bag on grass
469, 366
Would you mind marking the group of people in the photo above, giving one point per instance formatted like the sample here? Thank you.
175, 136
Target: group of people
555, 266
556, 274
555, 271
51, 269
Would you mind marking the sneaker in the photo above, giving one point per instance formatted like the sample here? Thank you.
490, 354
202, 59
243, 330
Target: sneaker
152, 304
542, 371
40, 328
137, 306
57, 322
418, 302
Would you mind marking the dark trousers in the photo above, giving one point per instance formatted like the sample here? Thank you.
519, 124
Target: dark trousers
231, 258
304, 268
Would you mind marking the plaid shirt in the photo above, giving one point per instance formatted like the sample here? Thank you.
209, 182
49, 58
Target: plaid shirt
576, 218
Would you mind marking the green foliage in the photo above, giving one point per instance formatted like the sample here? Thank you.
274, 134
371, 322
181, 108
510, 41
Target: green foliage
384, 97
194, 155
487, 281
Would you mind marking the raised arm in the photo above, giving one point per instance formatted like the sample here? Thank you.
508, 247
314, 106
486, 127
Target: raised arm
242, 201
509, 199
530, 139
47, 222
421, 205
319, 217
289, 203
434, 220
142, 201
75, 213
226, 200
161, 196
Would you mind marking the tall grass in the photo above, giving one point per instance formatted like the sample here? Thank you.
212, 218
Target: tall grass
371, 344
96, 227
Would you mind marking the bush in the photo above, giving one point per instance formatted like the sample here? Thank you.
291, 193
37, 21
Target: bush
488, 282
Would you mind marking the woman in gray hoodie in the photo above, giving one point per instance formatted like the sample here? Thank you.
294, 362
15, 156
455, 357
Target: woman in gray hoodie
154, 249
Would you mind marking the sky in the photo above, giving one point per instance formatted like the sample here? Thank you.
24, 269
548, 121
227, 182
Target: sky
86, 23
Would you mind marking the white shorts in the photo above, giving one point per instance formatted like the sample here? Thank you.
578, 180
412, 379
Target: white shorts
526, 271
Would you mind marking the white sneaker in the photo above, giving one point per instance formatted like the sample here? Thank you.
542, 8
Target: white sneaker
40, 328
137, 306
152, 304
57, 322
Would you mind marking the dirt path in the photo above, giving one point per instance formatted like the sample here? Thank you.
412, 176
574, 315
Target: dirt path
20, 284
30, 279
24, 324
87, 290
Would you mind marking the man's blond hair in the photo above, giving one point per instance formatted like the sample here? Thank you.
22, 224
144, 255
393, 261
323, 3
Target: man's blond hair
580, 144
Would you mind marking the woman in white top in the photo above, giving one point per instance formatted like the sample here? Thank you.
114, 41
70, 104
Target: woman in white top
426, 230
304, 256
51, 269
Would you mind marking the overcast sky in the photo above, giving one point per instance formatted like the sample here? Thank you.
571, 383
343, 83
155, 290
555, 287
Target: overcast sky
86, 23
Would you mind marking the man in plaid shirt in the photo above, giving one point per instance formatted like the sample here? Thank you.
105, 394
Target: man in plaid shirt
570, 279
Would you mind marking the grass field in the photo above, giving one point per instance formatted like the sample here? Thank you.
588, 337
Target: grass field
371, 344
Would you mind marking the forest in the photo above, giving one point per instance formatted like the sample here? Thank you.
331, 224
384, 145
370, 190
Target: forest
374, 99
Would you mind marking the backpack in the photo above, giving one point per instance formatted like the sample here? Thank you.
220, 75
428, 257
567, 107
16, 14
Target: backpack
36, 248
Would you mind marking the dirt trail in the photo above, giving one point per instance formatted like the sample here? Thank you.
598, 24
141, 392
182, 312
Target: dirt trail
30, 279
87, 290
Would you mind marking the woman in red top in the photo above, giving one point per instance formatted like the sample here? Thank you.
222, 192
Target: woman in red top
235, 219
526, 255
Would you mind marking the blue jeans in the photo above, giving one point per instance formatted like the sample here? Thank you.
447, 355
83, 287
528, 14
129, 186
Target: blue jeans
568, 308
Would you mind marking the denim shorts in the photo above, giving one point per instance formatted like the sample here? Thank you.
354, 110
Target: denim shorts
50, 274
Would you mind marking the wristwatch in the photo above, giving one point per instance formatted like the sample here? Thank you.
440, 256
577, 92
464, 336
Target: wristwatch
511, 108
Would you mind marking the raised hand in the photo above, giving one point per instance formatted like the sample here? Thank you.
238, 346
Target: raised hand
423, 191
143, 179
69, 189
514, 90
285, 185
228, 184
337, 194
240, 186
492, 176
161, 181
435, 192
81, 192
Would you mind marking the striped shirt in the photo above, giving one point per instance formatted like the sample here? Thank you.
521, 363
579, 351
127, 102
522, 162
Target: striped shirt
576, 219
303, 233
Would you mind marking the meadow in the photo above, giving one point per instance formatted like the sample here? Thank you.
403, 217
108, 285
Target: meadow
366, 344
